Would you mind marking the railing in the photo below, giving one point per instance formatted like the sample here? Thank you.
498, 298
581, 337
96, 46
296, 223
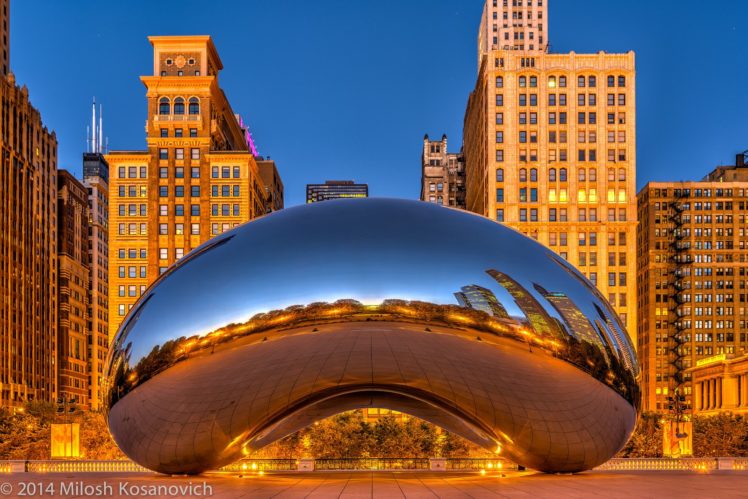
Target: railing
471, 464
704, 464
371, 464
660, 464
262, 465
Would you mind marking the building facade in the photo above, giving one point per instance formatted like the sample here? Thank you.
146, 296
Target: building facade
96, 181
513, 25
720, 384
5, 37
335, 189
272, 182
692, 281
73, 291
196, 179
28, 250
550, 149
442, 174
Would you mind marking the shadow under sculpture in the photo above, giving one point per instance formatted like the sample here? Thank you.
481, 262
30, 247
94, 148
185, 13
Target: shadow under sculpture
349, 304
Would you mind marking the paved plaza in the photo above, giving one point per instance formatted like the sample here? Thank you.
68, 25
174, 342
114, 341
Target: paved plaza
384, 484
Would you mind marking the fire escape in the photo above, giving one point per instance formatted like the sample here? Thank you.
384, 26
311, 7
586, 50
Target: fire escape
681, 261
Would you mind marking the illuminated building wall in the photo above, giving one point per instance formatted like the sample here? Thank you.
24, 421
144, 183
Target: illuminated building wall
720, 384
96, 181
442, 174
513, 25
692, 278
539, 319
335, 189
73, 290
5, 37
196, 179
550, 150
578, 324
28, 250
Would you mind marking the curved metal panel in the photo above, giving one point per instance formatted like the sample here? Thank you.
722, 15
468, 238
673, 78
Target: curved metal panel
371, 303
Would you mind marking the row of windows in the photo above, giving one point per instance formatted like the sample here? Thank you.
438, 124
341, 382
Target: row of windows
131, 291
561, 81
163, 191
163, 229
132, 253
132, 191
132, 172
562, 100
583, 174
562, 155
133, 210
133, 229
163, 153
562, 118
165, 106
132, 271
178, 132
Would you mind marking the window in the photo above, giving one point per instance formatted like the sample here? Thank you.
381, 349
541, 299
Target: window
611, 81
533, 175
163, 154
195, 172
621, 81
164, 107
552, 175
562, 175
499, 99
499, 118
195, 210
179, 191
522, 81
499, 174
581, 81
163, 191
523, 175
523, 215
193, 132
500, 215
163, 253
164, 132
179, 153
163, 229
195, 191
499, 137
499, 155
499, 82
179, 106
214, 172
533, 81
195, 153
237, 172
592, 81
194, 105
195, 229
562, 81
522, 99
178, 132
179, 210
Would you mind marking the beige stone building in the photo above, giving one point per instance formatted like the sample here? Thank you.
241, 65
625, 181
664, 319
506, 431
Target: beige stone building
28, 245
73, 291
196, 179
550, 149
442, 174
513, 25
720, 384
692, 278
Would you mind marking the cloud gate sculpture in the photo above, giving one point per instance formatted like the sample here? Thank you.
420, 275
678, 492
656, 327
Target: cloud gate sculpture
349, 304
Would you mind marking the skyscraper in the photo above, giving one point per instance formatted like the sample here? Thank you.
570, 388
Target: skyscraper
513, 25
480, 298
271, 179
73, 290
28, 244
5, 34
550, 149
196, 179
335, 189
692, 278
442, 174
96, 181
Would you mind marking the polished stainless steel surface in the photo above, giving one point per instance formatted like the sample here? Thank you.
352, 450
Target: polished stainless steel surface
359, 303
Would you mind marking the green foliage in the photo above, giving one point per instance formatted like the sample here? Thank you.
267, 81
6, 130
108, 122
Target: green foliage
646, 441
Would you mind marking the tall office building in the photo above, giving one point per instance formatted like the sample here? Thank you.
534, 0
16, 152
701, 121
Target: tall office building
196, 179
442, 174
550, 149
28, 245
513, 25
480, 298
5, 33
96, 181
335, 189
692, 275
271, 179
73, 291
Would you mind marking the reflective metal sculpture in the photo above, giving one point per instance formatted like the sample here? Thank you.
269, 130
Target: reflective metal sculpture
360, 303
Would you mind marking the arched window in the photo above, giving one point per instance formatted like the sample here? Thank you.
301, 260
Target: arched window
621, 174
499, 82
582, 174
523, 175
592, 82
164, 106
562, 174
552, 82
533, 81
194, 105
593, 174
552, 175
499, 174
533, 174
581, 81
522, 81
611, 175
179, 105
611, 81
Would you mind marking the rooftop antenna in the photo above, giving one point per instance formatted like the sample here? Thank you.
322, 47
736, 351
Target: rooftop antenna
94, 134
101, 129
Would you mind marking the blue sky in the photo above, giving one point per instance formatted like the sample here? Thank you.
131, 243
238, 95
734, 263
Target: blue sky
338, 89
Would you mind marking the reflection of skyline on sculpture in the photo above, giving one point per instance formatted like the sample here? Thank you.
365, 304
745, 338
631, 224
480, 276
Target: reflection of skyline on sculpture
336, 305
